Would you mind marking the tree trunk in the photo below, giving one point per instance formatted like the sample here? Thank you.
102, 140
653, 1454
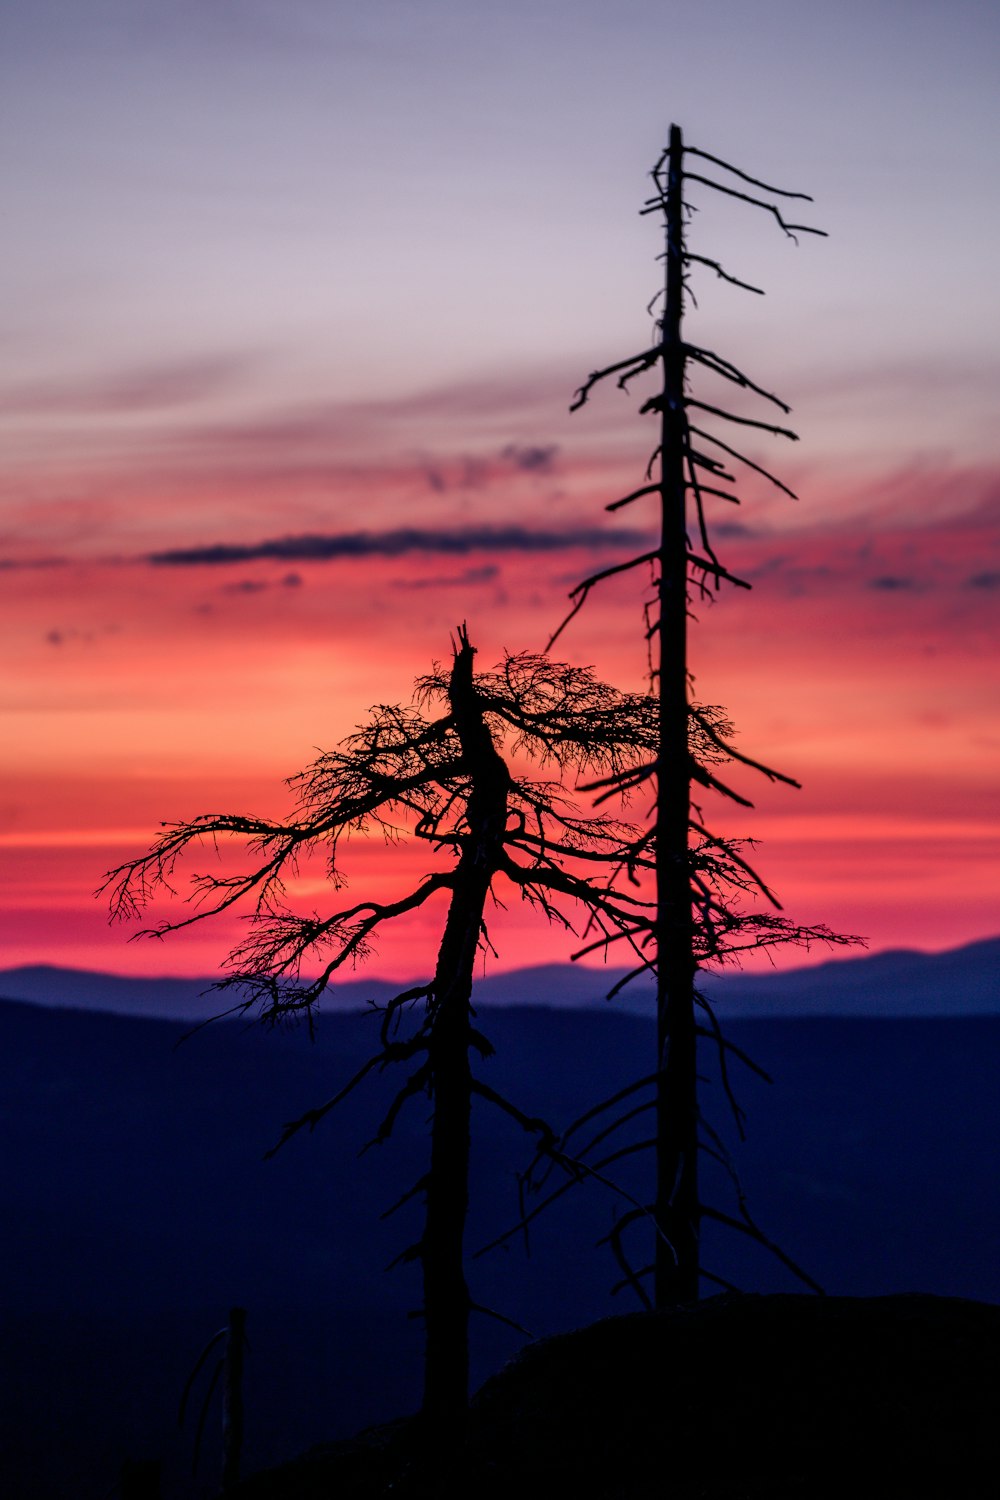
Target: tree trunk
446, 1297
232, 1399
676, 1211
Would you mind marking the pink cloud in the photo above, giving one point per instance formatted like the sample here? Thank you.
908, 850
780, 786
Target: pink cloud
142, 388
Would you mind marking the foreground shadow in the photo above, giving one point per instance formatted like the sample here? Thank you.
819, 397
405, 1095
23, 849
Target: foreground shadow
739, 1396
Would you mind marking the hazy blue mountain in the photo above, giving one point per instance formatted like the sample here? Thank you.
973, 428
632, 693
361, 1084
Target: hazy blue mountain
898, 982
901, 982
137, 1206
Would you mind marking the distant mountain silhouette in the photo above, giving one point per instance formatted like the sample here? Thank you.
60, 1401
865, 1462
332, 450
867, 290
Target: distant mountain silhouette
898, 982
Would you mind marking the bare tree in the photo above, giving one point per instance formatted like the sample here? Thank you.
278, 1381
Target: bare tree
700, 878
492, 824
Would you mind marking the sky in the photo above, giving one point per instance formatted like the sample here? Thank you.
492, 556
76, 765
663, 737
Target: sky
332, 273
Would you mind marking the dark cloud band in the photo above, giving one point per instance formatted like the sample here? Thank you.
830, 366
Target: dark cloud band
321, 547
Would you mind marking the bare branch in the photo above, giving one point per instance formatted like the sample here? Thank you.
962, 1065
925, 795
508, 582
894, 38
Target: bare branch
707, 489
489, 1312
717, 570
726, 847
635, 364
790, 229
647, 489
394, 1052
532, 1124
706, 779
734, 453
643, 968
747, 1226
753, 181
623, 780
418, 1083
728, 371
703, 260
617, 1124
411, 1192
630, 1277
579, 594
728, 416
609, 1103
731, 753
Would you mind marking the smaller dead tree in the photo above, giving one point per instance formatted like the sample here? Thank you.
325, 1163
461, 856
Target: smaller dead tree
457, 782
228, 1367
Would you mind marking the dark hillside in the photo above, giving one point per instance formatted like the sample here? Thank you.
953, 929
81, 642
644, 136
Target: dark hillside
740, 1398
137, 1207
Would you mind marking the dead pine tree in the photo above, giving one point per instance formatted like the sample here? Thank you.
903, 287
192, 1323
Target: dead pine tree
450, 1038
699, 878
460, 781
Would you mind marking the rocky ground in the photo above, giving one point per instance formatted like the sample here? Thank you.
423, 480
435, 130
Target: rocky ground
739, 1398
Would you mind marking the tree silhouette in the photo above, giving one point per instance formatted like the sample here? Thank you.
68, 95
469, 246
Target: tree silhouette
701, 878
494, 827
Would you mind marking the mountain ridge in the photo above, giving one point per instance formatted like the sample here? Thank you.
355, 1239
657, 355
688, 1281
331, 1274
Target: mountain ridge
895, 982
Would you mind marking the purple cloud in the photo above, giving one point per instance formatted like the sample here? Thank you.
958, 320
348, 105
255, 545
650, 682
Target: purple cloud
327, 547
531, 459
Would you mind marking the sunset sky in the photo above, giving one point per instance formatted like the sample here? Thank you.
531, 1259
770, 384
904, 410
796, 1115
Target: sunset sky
292, 269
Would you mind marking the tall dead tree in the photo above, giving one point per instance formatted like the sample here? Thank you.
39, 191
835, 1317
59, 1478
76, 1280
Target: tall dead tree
700, 878
488, 823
